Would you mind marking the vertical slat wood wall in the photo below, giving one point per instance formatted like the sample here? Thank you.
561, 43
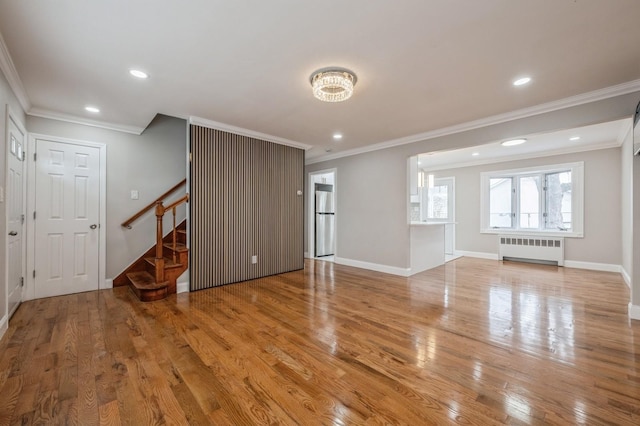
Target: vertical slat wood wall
244, 202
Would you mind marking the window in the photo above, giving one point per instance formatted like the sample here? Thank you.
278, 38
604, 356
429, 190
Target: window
540, 200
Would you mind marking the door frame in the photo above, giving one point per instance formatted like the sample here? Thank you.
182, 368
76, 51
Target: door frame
11, 116
311, 218
30, 289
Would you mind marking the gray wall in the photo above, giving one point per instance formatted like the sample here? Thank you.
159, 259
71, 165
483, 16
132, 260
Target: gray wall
372, 187
626, 200
7, 98
602, 205
152, 163
244, 202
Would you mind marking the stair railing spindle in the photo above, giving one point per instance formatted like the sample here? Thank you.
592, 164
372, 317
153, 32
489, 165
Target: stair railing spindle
175, 233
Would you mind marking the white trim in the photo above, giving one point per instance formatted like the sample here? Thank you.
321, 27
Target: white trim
593, 266
182, 287
306, 255
108, 283
476, 254
29, 290
581, 99
52, 115
246, 132
9, 70
625, 276
4, 325
634, 311
393, 270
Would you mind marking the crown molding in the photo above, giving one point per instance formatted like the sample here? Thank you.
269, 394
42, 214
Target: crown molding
38, 112
10, 72
527, 156
197, 121
581, 99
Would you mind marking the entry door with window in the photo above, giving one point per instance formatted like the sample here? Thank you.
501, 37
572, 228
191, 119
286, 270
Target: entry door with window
439, 202
66, 218
15, 213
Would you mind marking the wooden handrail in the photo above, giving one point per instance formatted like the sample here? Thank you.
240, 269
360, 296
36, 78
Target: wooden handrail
127, 223
176, 203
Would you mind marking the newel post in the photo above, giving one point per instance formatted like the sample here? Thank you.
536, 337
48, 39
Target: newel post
159, 261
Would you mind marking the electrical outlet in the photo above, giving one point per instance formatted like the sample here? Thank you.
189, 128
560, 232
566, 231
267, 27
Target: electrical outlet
254, 259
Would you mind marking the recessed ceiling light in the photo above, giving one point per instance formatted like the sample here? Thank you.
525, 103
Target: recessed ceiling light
92, 109
139, 74
475, 154
574, 138
513, 142
521, 81
337, 136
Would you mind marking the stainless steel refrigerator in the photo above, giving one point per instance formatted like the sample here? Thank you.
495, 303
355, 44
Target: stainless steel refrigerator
325, 220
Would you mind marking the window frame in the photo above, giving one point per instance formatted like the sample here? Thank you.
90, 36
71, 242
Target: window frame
577, 200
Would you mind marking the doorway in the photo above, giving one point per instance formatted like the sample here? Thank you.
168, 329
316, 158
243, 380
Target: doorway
322, 218
67, 197
439, 199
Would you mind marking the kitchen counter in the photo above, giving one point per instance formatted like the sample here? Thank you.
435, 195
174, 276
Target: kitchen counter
426, 245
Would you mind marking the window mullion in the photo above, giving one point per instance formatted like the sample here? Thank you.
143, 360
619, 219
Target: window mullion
543, 202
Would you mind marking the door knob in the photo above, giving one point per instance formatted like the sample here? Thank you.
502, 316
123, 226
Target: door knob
94, 226
13, 233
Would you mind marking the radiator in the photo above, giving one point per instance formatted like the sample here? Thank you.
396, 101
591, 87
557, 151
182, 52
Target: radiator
532, 248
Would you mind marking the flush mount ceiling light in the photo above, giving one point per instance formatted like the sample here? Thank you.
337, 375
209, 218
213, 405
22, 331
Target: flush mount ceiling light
514, 142
574, 138
337, 136
138, 74
92, 109
475, 154
333, 84
522, 81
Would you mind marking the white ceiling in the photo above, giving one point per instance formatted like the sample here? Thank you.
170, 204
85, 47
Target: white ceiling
421, 65
596, 136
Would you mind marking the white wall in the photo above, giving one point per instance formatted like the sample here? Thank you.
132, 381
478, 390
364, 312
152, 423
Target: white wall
7, 98
151, 163
602, 204
373, 186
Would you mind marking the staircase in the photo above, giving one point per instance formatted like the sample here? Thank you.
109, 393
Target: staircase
153, 276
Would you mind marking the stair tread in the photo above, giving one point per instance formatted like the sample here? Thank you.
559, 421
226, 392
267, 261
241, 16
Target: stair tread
145, 281
168, 262
179, 247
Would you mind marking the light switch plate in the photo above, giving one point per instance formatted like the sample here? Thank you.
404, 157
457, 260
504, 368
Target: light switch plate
134, 194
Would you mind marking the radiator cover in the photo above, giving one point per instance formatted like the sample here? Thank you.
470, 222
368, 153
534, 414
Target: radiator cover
532, 248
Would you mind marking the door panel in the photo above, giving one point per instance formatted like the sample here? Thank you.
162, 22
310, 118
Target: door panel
15, 213
67, 205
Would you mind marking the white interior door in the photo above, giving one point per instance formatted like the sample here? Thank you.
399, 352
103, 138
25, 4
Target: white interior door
67, 208
15, 214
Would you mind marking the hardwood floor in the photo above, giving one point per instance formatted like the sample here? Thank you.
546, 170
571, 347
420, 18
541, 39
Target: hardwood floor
470, 342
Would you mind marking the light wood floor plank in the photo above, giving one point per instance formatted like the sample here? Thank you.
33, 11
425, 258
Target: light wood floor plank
474, 342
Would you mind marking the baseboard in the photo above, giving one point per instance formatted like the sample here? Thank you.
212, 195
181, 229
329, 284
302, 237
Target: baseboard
477, 254
108, 283
605, 267
182, 287
393, 270
634, 311
625, 276
4, 326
